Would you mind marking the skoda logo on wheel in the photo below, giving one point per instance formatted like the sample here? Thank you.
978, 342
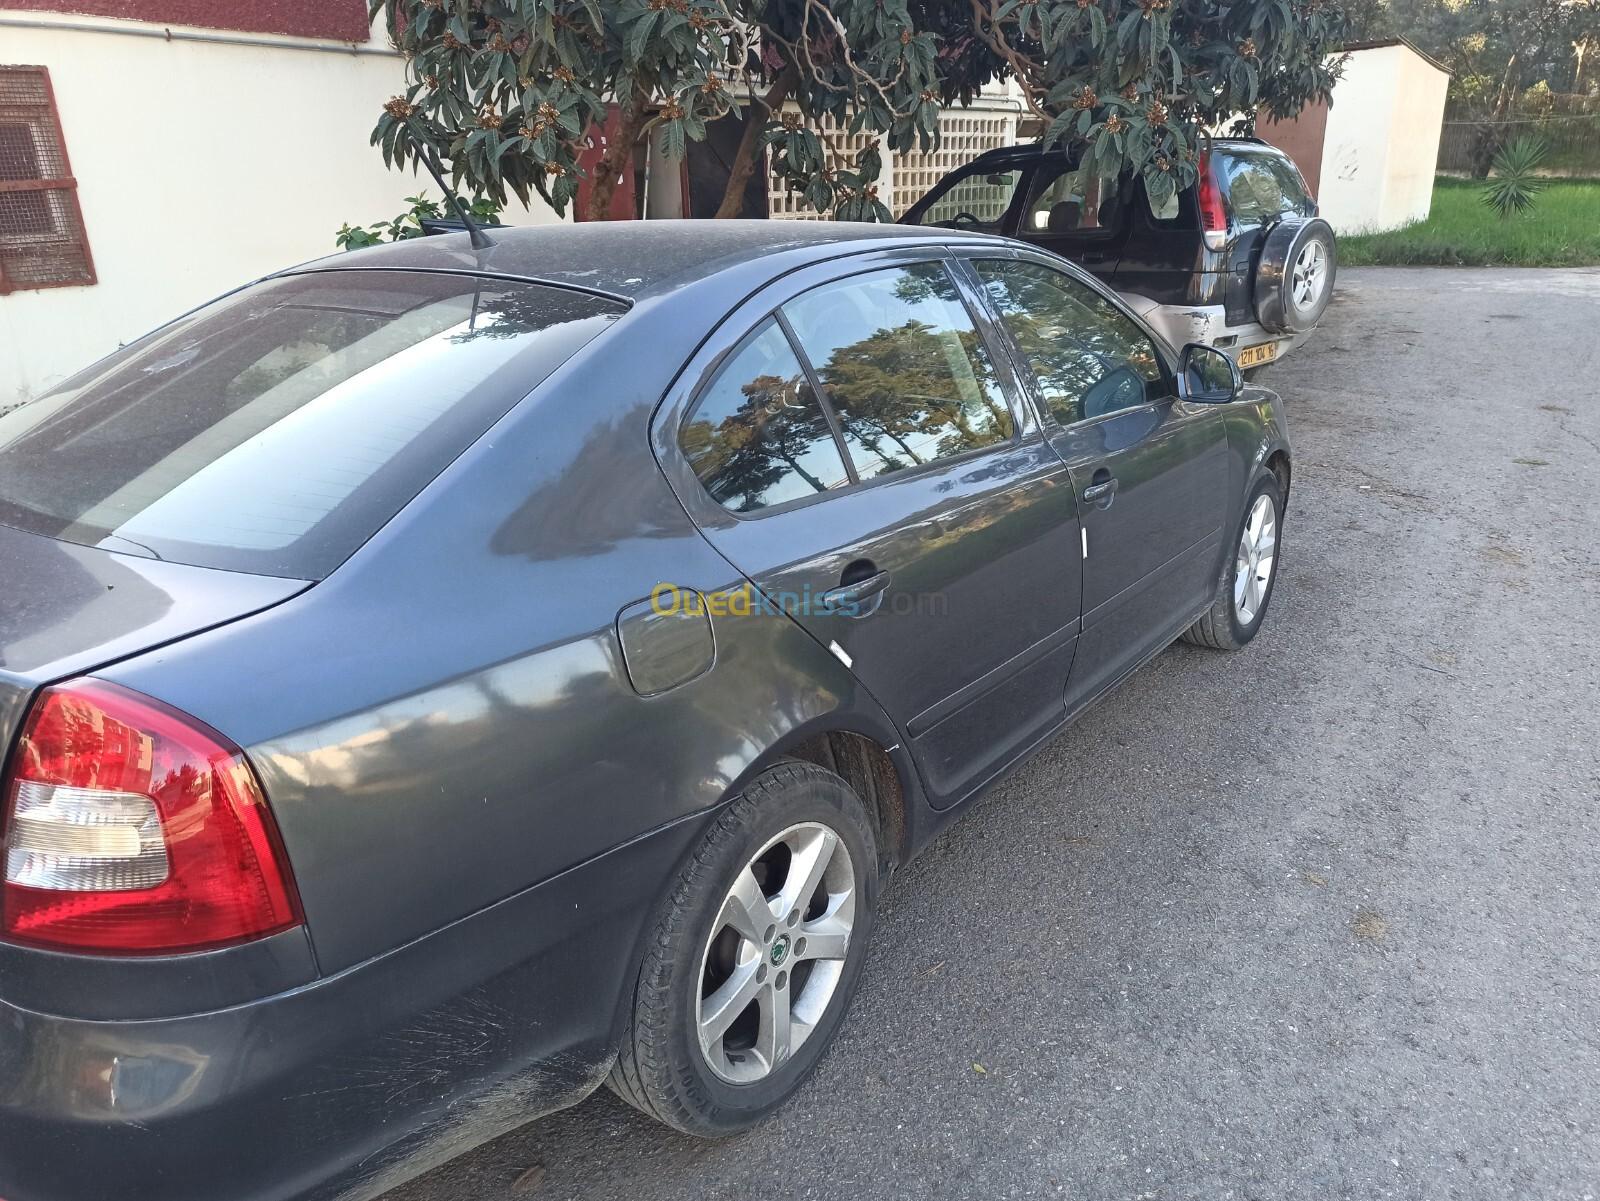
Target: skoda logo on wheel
780, 951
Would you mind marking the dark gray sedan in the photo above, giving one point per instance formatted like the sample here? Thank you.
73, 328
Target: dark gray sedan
437, 682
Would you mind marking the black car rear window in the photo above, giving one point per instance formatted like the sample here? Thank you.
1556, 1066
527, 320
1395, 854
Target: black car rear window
278, 429
1261, 185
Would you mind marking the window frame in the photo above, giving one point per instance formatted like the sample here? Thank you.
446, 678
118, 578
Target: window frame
66, 184
681, 403
1028, 379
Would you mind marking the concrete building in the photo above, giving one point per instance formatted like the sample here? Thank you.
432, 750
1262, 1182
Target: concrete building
1371, 154
154, 153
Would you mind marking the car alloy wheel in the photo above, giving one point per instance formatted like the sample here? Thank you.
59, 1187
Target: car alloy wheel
776, 953
755, 955
1309, 275
1256, 558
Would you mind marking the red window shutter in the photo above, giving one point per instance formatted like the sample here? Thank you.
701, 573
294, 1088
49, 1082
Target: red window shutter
42, 239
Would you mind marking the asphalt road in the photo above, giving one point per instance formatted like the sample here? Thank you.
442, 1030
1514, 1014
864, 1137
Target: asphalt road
1316, 920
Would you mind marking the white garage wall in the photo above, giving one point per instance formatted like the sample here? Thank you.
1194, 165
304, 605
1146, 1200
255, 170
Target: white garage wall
1418, 125
1382, 141
1355, 149
200, 166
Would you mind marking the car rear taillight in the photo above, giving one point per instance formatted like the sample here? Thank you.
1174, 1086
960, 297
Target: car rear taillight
1213, 214
133, 829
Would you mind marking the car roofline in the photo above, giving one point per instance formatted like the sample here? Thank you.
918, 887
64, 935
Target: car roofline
1029, 152
820, 252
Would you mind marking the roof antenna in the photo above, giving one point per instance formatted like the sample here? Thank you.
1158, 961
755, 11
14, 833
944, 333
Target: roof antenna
430, 160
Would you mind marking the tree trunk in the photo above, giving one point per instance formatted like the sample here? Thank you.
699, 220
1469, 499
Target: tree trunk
1490, 136
1485, 145
631, 119
1508, 88
744, 164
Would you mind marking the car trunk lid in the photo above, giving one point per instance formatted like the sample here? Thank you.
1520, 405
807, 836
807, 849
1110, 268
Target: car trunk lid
67, 609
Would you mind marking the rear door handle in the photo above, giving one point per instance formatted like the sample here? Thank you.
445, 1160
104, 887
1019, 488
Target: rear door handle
852, 595
1104, 490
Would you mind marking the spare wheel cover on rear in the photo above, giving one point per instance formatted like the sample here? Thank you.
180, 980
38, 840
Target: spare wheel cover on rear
1294, 279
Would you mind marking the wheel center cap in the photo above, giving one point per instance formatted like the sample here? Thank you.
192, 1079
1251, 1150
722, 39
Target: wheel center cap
780, 950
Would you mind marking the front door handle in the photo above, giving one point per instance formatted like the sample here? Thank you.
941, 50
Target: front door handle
1102, 490
852, 596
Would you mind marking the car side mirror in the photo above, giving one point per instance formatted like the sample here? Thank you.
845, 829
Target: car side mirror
1208, 376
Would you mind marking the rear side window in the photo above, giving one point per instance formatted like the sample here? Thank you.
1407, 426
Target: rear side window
1066, 201
276, 430
1261, 186
903, 365
1087, 357
757, 437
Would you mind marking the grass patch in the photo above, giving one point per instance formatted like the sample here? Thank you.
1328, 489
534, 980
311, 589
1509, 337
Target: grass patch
1563, 230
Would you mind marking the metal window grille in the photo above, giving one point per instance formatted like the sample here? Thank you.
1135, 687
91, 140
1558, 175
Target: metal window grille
791, 206
42, 239
964, 134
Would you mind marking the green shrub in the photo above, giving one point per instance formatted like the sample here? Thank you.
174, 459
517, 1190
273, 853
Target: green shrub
1513, 179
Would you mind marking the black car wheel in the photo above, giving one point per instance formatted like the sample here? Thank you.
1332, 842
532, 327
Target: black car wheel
1250, 572
1295, 277
755, 956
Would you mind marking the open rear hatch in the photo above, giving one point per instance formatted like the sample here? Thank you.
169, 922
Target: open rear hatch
67, 609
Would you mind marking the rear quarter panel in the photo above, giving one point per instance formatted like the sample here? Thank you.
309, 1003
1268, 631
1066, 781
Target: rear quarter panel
447, 720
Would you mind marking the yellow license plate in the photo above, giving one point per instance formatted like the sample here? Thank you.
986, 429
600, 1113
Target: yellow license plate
1254, 356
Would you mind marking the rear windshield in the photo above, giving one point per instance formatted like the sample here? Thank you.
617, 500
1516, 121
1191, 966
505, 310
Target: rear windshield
278, 429
1261, 185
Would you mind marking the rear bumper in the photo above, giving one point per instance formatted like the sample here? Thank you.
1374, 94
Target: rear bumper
347, 1086
1208, 324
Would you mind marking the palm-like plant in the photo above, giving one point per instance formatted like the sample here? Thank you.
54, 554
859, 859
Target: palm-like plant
1513, 179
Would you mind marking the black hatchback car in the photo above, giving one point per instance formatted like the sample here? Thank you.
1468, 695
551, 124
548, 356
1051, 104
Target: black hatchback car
1239, 260
436, 682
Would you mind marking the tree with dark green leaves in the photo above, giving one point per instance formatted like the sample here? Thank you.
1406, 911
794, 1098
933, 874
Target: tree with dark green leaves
508, 92
1135, 83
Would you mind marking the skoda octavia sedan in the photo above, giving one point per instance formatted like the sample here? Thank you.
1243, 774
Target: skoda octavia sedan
437, 682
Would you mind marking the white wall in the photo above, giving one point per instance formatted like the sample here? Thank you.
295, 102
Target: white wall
1382, 141
1420, 94
200, 167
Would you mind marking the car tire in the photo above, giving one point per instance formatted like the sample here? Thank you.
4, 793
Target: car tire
698, 965
1295, 277
1237, 612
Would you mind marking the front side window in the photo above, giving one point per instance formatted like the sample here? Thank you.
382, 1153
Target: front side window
757, 436
976, 200
903, 366
276, 430
1089, 359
